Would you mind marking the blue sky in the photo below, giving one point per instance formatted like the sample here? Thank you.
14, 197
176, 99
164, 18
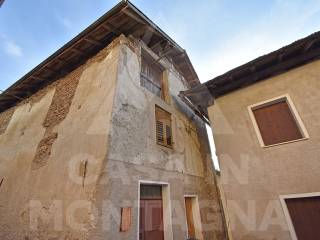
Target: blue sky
217, 34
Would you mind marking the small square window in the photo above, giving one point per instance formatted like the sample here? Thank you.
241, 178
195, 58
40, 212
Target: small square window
277, 122
163, 128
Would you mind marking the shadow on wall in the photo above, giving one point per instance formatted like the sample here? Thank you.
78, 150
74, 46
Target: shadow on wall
193, 117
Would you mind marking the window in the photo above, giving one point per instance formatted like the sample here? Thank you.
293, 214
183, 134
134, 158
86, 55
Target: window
150, 192
163, 128
277, 122
151, 76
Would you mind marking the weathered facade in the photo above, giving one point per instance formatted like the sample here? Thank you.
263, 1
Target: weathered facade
269, 190
75, 153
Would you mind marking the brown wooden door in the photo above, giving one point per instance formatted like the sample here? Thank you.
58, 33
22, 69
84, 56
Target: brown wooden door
305, 217
151, 220
190, 220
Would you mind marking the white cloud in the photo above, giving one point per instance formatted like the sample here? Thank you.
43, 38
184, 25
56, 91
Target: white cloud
12, 49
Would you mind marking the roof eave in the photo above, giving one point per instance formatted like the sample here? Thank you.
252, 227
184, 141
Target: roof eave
280, 61
17, 91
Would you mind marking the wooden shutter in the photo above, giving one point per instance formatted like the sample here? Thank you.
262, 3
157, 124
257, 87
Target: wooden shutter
305, 217
151, 76
163, 127
160, 132
277, 123
190, 220
169, 136
126, 217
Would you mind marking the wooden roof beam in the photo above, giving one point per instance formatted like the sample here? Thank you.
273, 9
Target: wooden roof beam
270, 71
281, 56
153, 30
94, 41
61, 61
51, 70
132, 16
24, 85
108, 26
9, 95
162, 55
77, 51
310, 44
56, 72
158, 44
38, 78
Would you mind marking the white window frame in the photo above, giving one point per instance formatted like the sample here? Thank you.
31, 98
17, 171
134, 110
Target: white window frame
294, 113
286, 210
166, 202
196, 216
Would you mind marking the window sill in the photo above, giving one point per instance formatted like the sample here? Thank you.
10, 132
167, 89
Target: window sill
151, 94
165, 148
292, 141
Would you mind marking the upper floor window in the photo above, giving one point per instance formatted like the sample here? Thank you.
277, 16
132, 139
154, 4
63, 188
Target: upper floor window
163, 128
277, 121
151, 75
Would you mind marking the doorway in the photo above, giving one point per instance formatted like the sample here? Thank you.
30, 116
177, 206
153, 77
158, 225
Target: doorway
303, 215
151, 213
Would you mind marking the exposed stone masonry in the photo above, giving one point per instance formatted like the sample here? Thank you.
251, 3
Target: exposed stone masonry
5, 118
65, 89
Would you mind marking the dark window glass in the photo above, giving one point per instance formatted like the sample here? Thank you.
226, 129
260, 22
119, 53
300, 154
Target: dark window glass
150, 192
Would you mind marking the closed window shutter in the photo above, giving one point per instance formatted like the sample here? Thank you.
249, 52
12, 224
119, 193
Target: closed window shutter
169, 135
163, 127
160, 132
276, 123
126, 217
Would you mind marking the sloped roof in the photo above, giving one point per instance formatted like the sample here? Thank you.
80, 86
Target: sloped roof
282, 60
125, 19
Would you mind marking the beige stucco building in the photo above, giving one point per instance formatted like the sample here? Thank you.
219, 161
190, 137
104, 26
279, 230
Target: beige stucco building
265, 117
93, 147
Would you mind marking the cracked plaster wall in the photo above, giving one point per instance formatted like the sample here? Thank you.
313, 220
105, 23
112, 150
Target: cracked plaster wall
134, 154
74, 112
100, 114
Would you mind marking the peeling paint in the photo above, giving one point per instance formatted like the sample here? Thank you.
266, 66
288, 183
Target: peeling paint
5, 118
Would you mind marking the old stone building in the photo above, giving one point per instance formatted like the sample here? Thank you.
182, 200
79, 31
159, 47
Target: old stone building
96, 144
265, 116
